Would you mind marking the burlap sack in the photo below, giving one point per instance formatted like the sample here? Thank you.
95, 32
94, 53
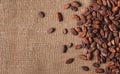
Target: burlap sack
25, 46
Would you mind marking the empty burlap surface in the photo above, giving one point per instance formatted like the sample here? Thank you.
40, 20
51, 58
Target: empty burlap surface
25, 46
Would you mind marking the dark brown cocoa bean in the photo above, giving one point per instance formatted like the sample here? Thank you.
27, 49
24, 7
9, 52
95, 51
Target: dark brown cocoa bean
79, 23
112, 27
70, 45
70, 60
96, 6
65, 31
41, 14
104, 2
74, 32
85, 68
85, 40
59, 17
83, 19
96, 65
103, 12
50, 30
109, 3
74, 8
94, 14
64, 48
98, 41
89, 56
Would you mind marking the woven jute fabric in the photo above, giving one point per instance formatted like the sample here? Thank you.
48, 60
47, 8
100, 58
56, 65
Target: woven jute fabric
25, 46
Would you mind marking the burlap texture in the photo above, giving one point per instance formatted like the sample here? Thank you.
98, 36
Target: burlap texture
25, 46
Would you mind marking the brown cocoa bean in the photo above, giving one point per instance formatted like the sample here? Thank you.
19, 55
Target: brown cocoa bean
111, 49
85, 40
115, 9
78, 29
96, 6
98, 41
76, 4
74, 8
70, 60
65, 31
64, 48
84, 10
74, 32
66, 6
82, 34
112, 27
100, 2
76, 17
59, 17
50, 30
41, 14
83, 57
85, 68
118, 3
99, 70
96, 65
109, 3
78, 46
104, 2
70, 45
83, 19
89, 56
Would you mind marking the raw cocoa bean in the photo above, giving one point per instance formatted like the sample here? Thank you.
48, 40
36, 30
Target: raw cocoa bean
59, 17
78, 29
70, 45
118, 3
41, 14
96, 65
65, 31
100, 2
83, 57
76, 4
74, 8
84, 10
78, 46
66, 6
74, 32
64, 48
76, 17
85, 68
70, 60
50, 30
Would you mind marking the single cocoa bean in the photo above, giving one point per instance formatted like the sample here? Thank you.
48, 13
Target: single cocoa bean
74, 32
70, 60
76, 4
99, 70
66, 6
59, 17
50, 30
85, 68
41, 14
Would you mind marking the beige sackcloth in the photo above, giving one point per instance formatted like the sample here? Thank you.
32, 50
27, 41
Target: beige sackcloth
25, 46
